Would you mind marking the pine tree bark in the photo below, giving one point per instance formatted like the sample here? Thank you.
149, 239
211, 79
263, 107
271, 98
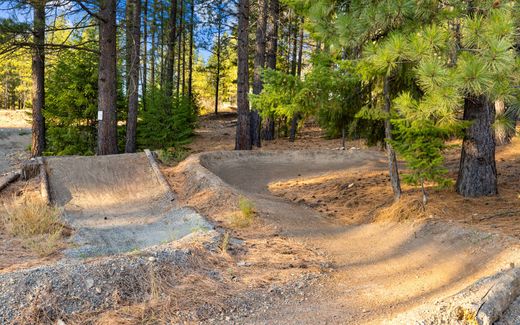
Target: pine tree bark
170, 60
179, 50
392, 159
133, 41
243, 135
38, 79
217, 77
107, 82
295, 68
145, 52
272, 49
300, 51
190, 62
259, 65
153, 31
477, 171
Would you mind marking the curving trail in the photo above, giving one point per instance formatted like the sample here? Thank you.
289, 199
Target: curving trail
378, 270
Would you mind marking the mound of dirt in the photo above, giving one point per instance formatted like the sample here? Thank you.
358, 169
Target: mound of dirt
116, 204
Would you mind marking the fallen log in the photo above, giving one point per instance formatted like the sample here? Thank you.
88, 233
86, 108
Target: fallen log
8, 179
159, 175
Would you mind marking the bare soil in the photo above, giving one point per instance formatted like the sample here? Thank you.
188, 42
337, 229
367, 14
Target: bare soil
326, 245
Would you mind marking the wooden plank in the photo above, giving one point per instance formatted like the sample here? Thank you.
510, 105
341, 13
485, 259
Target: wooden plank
160, 177
44, 181
8, 179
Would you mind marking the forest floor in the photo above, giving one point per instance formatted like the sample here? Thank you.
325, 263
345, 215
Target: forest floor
379, 258
326, 244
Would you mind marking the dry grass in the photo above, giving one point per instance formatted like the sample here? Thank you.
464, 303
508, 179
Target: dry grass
409, 207
167, 294
36, 223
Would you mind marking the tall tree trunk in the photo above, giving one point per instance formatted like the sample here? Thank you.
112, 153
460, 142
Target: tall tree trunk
170, 60
243, 136
300, 51
133, 41
179, 58
145, 52
477, 171
107, 82
217, 77
153, 30
190, 61
294, 65
272, 48
184, 60
38, 78
163, 60
392, 160
259, 64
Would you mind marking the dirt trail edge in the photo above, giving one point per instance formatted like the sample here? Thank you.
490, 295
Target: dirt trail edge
378, 270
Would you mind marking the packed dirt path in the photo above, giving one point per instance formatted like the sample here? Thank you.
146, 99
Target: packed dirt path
377, 270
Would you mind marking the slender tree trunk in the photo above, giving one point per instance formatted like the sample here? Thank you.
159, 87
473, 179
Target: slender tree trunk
190, 61
145, 52
392, 160
38, 78
259, 64
217, 77
300, 51
107, 82
243, 136
184, 60
133, 41
478, 172
153, 30
294, 65
163, 61
294, 47
170, 60
272, 49
179, 58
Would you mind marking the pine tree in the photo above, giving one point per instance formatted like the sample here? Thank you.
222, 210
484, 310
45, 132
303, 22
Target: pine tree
452, 58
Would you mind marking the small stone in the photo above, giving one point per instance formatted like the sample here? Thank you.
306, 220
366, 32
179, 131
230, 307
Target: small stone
151, 259
60, 322
98, 290
89, 283
351, 185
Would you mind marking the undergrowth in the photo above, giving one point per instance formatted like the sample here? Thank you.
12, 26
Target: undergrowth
36, 223
243, 218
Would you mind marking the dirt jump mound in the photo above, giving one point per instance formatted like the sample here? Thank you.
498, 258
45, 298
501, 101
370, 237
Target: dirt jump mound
117, 203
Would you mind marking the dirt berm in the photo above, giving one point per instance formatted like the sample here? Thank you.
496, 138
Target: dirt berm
380, 269
116, 204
